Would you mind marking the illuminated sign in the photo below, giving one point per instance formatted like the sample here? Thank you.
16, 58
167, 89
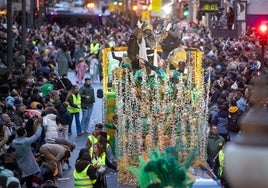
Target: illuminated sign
210, 5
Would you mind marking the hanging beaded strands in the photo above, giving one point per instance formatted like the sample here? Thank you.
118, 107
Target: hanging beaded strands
157, 117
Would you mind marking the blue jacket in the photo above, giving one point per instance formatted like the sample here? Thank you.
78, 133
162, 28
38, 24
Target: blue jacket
25, 157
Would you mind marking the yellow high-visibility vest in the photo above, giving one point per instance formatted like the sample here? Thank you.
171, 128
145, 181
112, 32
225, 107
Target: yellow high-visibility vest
94, 48
77, 101
221, 162
81, 179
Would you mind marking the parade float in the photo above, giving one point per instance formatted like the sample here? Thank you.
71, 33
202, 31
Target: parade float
154, 117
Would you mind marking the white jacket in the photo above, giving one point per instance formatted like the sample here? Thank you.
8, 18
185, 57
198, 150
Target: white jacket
50, 125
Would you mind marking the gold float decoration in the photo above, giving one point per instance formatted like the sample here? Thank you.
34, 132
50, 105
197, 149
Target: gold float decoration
154, 117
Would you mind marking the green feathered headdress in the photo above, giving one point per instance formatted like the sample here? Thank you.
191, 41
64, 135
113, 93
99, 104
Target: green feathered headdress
164, 170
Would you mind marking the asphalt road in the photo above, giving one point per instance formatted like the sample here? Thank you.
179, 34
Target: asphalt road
97, 116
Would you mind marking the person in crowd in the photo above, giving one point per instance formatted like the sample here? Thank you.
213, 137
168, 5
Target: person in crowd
18, 117
234, 113
93, 138
74, 107
43, 70
7, 178
93, 67
9, 162
64, 121
54, 98
4, 136
50, 123
98, 157
123, 61
79, 52
230, 18
36, 97
219, 168
241, 102
214, 145
181, 69
48, 181
25, 157
221, 120
140, 74
11, 99
10, 125
172, 40
56, 153
84, 173
109, 160
87, 100
81, 69
114, 126
63, 60
160, 69
146, 40
94, 46
64, 83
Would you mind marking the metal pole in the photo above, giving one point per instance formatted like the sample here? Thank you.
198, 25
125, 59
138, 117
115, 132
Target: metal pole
131, 14
31, 13
23, 42
9, 35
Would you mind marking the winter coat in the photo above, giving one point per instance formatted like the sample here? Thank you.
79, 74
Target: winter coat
214, 145
84, 92
50, 125
212, 113
233, 118
57, 150
25, 157
63, 60
79, 52
221, 120
64, 116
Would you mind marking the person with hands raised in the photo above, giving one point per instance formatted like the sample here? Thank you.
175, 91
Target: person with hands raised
124, 61
172, 40
25, 157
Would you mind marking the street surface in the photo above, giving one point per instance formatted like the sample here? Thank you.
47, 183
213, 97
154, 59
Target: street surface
80, 141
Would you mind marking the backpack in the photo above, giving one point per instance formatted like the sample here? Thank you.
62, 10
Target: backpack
233, 124
100, 93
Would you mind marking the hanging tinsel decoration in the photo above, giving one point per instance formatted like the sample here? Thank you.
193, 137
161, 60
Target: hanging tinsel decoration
158, 117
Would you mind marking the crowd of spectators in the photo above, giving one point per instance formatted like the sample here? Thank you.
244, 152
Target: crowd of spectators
52, 51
